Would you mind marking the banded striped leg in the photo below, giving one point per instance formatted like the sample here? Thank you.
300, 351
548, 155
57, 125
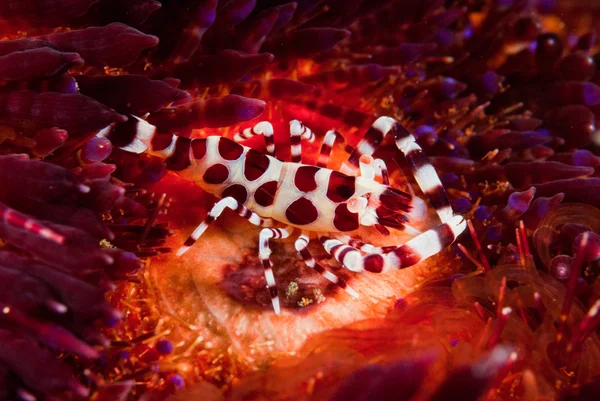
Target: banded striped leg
302, 248
214, 213
420, 165
381, 172
367, 168
412, 252
363, 246
327, 147
346, 255
262, 128
297, 132
264, 253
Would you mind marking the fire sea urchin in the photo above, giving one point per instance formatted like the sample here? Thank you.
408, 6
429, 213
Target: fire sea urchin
94, 302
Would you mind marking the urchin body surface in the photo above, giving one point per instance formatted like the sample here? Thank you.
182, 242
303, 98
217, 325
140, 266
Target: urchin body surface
284, 197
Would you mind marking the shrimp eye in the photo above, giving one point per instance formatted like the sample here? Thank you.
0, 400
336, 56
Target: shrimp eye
356, 205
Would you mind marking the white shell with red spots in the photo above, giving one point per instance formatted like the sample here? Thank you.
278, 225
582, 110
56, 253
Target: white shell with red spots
300, 195
272, 189
236, 173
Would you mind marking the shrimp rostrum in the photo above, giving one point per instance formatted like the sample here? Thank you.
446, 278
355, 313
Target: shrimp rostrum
286, 197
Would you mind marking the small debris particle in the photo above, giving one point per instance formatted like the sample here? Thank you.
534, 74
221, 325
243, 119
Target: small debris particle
292, 289
304, 302
104, 243
319, 297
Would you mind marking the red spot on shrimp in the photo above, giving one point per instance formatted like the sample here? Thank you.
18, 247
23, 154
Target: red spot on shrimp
305, 179
373, 263
180, 159
340, 187
344, 220
216, 174
301, 212
199, 148
161, 141
407, 256
265, 194
237, 192
229, 150
255, 165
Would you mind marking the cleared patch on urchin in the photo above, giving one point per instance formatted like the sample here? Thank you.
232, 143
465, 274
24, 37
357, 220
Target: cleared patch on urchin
200, 290
298, 286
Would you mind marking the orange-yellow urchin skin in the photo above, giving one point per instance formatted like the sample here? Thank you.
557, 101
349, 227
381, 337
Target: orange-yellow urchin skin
206, 288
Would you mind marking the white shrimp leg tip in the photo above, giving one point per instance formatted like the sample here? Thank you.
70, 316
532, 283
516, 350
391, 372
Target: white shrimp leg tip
276, 306
352, 292
182, 250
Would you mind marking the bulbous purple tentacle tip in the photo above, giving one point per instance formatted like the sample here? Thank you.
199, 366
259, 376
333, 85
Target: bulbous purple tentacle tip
243, 108
259, 59
111, 321
152, 5
121, 44
591, 93
124, 263
525, 124
213, 113
73, 58
150, 41
524, 174
586, 41
591, 248
95, 150
42, 62
206, 13
286, 13
578, 66
492, 82
172, 82
48, 140
448, 88
103, 195
582, 157
48, 333
518, 203
236, 11
548, 49
539, 208
327, 37
164, 347
11, 46
121, 118
95, 171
